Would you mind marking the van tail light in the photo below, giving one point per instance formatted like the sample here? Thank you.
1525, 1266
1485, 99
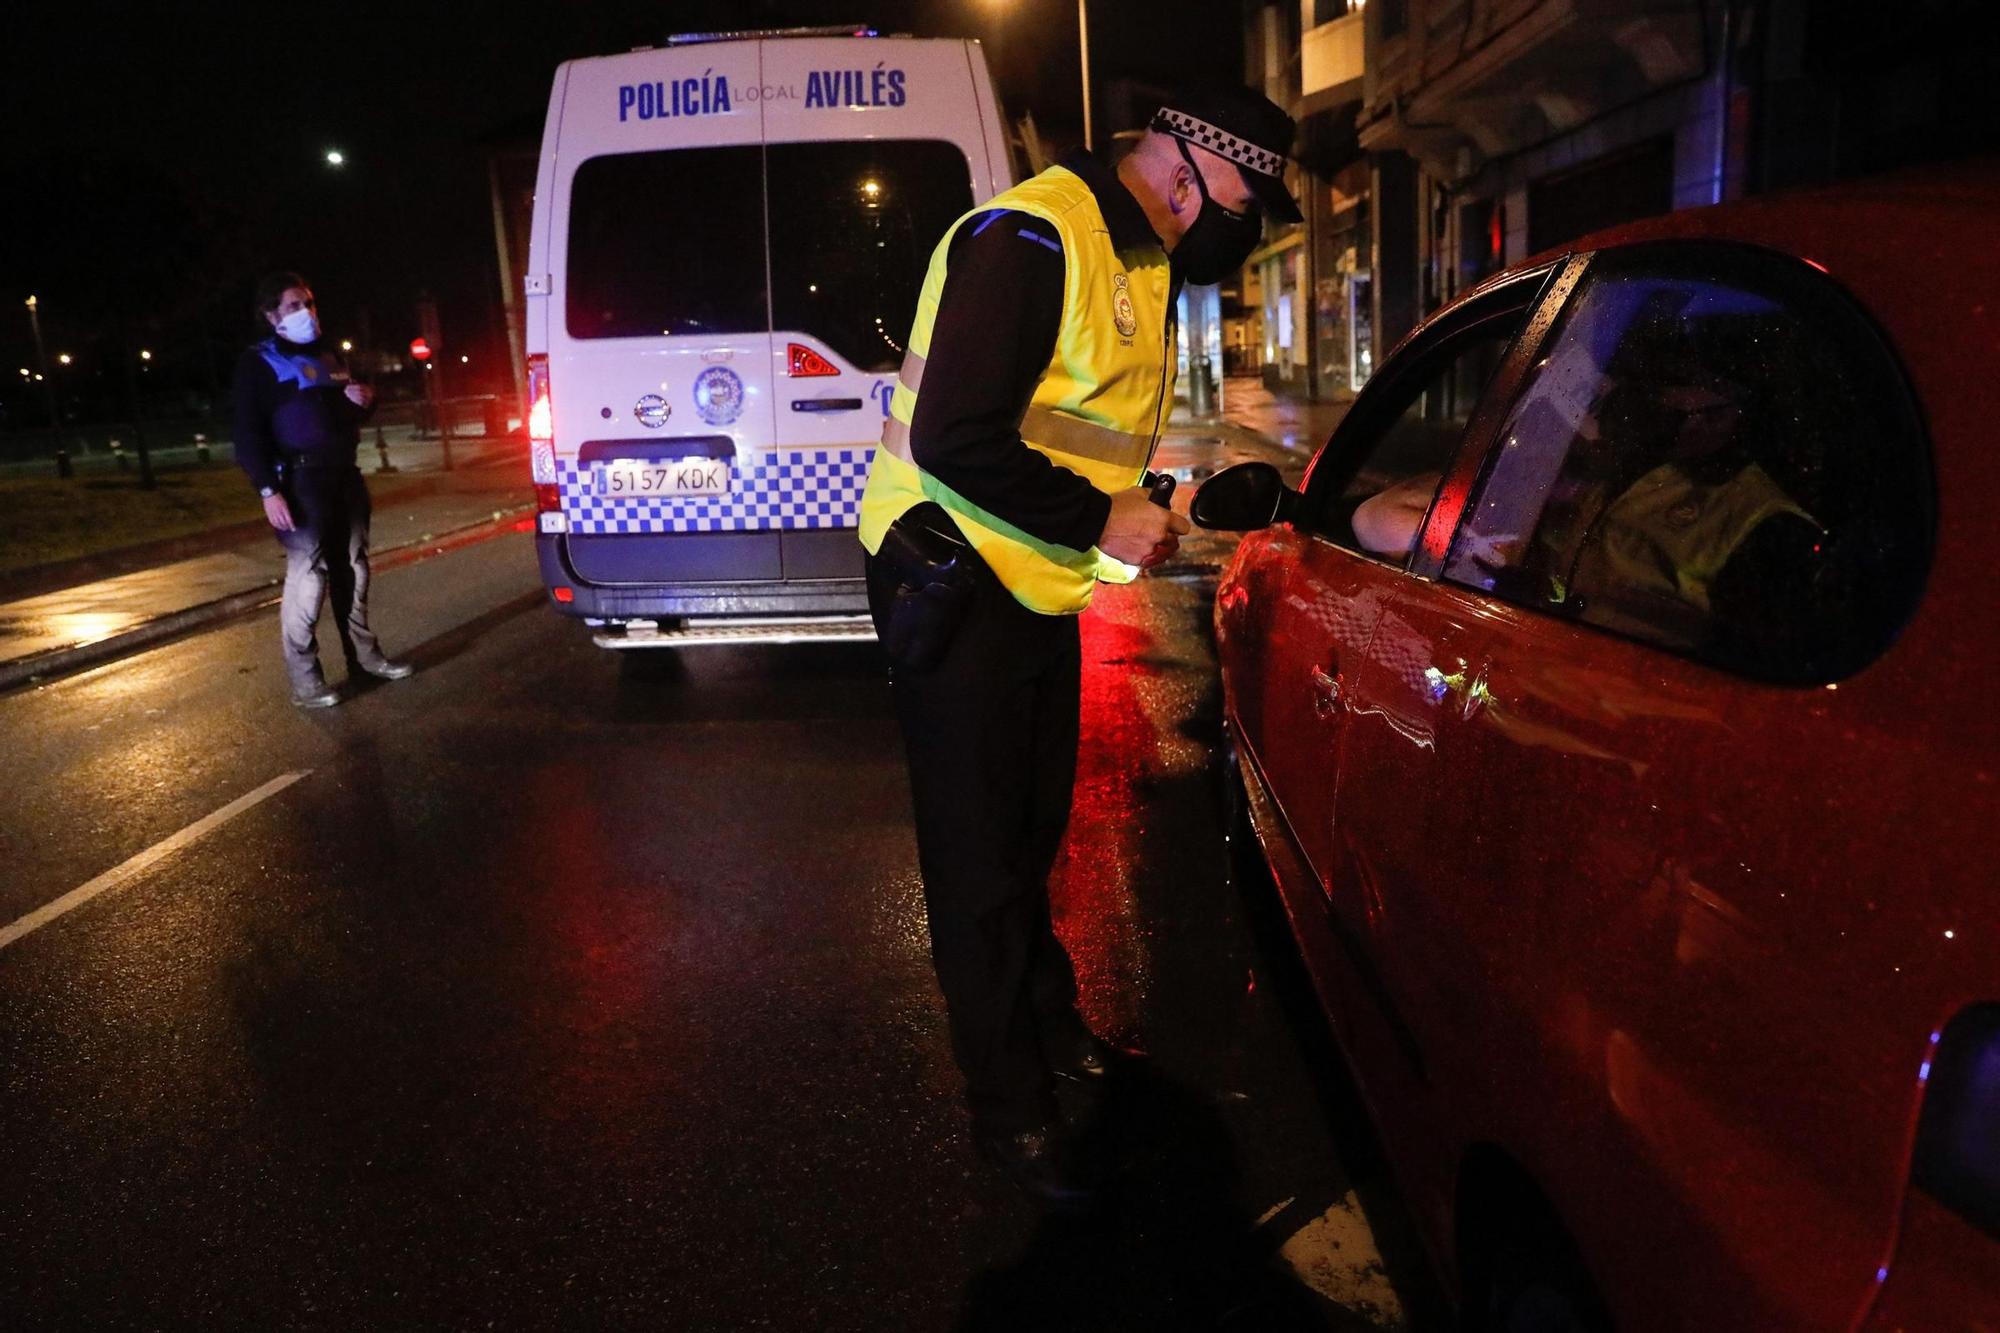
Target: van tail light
542, 437
541, 413
802, 362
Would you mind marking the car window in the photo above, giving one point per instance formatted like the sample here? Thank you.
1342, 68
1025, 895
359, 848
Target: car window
852, 230
667, 243
1714, 454
1391, 475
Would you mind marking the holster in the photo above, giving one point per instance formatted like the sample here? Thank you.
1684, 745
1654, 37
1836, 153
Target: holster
936, 571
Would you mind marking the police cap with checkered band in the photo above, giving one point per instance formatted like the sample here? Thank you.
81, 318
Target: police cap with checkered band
1248, 129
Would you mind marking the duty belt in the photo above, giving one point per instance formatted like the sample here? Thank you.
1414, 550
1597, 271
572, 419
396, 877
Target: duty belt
299, 462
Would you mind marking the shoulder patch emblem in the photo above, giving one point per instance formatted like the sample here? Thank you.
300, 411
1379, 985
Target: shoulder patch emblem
1121, 306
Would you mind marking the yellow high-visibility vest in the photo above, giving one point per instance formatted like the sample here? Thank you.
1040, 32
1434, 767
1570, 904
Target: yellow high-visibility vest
1097, 411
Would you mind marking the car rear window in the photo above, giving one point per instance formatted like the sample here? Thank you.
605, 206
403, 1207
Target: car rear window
667, 243
1716, 454
852, 230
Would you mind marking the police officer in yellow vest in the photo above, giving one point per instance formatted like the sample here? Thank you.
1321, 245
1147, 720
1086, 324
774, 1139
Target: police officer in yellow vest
1038, 377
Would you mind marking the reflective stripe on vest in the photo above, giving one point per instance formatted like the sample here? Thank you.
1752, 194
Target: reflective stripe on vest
301, 368
1057, 433
1096, 409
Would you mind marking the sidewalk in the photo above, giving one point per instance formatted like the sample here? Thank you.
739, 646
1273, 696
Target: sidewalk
1255, 424
96, 620
1299, 428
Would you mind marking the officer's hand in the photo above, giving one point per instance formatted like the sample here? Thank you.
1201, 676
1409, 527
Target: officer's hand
280, 513
360, 395
1162, 552
1140, 532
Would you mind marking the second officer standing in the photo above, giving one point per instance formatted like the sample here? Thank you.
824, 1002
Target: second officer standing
298, 425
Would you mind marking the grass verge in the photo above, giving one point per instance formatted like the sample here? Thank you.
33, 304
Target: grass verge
46, 519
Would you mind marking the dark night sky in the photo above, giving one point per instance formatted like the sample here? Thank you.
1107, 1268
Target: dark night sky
156, 157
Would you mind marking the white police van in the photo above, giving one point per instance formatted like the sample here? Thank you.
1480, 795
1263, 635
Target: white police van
729, 236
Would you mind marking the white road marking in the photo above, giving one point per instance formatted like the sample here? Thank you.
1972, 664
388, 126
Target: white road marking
1335, 1254
120, 875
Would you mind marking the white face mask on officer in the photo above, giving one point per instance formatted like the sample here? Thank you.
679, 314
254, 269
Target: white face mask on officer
301, 326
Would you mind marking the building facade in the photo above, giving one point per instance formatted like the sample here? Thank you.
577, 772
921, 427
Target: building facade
1441, 140
1303, 313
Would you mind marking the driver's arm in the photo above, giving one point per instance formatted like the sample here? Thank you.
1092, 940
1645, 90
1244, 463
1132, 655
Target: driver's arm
1388, 522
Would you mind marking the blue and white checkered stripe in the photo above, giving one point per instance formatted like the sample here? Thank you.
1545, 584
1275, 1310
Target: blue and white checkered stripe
790, 488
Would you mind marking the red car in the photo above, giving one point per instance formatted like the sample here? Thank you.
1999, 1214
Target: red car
1606, 705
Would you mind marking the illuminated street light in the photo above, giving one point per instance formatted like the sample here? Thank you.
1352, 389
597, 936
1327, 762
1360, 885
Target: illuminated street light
335, 158
63, 357
346, 345
145, 355
25, 373
465, 360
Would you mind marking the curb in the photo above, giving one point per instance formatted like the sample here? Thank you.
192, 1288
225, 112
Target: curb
77, 657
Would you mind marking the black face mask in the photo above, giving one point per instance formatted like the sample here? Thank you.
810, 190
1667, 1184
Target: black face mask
1220, 240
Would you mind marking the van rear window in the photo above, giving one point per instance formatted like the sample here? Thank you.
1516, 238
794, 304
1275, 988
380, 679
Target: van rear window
667, 243
852, 229
672, 242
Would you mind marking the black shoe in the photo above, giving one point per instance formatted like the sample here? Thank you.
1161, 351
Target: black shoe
1040, 1163
1089, 1059
384, 669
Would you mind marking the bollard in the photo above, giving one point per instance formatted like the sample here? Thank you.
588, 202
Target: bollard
200, 447
382, 452
63, 466
120, 457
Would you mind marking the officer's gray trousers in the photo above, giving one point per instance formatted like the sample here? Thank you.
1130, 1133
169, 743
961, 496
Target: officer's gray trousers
326, 558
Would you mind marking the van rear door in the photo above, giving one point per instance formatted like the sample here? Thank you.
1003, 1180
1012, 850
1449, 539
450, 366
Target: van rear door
659, 344
876, 148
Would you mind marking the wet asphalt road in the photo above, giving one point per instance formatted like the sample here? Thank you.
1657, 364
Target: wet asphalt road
566, 989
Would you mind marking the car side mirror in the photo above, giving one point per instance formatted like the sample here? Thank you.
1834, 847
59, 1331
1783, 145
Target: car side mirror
1244, 498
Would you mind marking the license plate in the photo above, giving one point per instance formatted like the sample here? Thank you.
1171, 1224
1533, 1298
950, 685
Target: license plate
681, 476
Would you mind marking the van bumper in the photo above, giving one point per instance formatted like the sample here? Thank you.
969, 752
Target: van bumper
704, 575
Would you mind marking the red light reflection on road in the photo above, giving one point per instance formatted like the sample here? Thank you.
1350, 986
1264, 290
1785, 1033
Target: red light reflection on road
1090, 890
598, 986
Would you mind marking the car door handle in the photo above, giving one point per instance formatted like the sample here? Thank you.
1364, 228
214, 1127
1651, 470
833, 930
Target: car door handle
1326, 693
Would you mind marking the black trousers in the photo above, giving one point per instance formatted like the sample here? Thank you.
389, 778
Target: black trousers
991, 735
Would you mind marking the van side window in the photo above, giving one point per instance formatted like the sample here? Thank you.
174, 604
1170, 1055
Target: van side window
1717, 455
852, 230
1379, 510
667, 243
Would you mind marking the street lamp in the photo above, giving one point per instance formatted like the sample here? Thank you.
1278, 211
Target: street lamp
1083, 59
48, 388
145, 355
335, 158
